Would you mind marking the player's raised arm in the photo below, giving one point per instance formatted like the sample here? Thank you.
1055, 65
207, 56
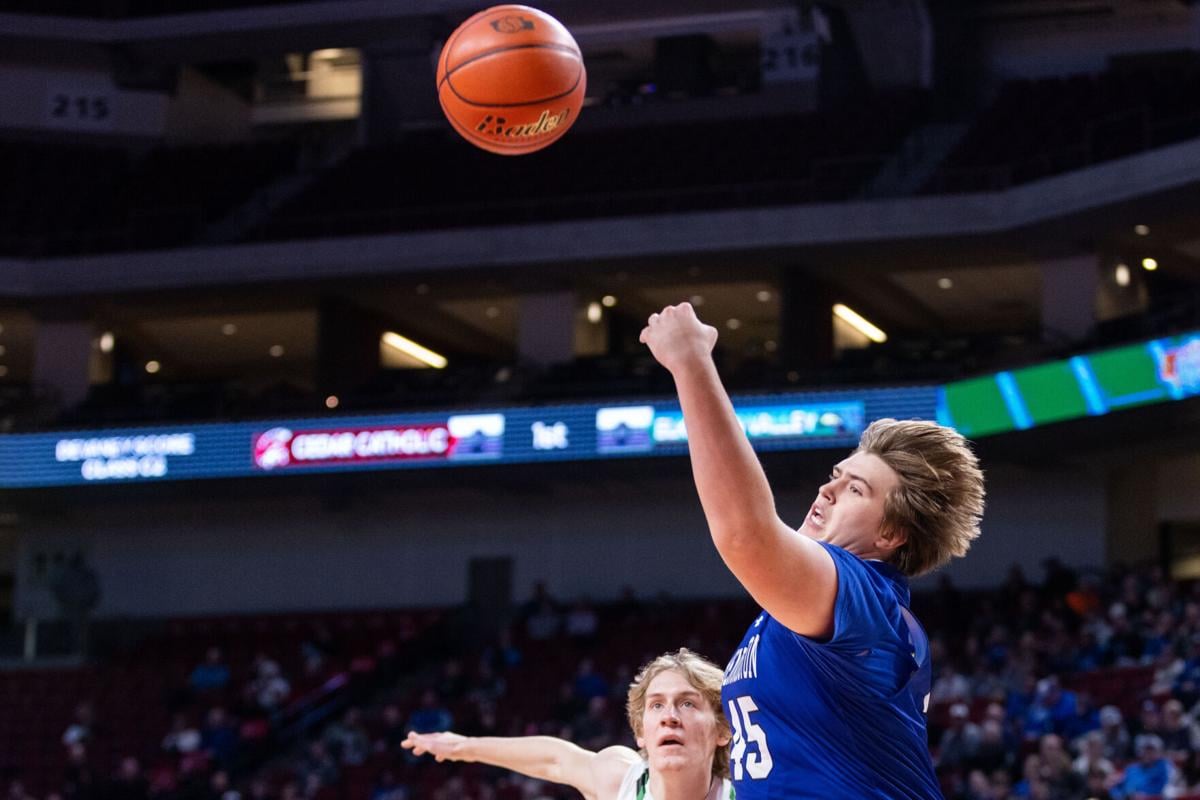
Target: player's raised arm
596, 776
789, 575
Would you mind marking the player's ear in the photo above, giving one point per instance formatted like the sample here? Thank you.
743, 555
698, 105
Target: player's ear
891, 538
723, 736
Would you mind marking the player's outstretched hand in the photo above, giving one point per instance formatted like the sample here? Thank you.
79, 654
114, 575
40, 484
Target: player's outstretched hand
677, 338
444, 746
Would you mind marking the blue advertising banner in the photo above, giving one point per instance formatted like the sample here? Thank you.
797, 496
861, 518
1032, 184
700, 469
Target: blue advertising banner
338, 443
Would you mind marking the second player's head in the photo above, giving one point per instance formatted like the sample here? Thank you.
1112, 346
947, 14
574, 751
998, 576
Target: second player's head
674, 709
911, 494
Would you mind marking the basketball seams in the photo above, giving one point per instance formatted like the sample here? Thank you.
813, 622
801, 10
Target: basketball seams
444, 57
534, 102
499, 11
531, 46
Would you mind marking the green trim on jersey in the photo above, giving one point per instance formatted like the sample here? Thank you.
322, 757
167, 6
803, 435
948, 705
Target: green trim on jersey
644, 781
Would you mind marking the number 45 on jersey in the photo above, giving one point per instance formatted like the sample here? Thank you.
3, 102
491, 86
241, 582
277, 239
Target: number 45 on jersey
755, 764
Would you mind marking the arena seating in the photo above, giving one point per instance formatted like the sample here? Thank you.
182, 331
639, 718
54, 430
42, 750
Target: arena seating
1125, 640
97, 199
137, 687
436, 180
121, 9
1037, 128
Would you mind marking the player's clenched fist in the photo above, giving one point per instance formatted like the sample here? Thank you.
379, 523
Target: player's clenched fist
677, 338
444, 746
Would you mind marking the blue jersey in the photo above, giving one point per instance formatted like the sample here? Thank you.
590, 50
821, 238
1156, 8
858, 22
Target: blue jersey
840, 718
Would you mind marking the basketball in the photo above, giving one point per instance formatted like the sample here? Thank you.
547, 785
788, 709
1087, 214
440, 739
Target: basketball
511, 80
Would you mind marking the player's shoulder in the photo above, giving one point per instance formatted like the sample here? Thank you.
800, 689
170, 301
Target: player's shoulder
609, 768
618, 755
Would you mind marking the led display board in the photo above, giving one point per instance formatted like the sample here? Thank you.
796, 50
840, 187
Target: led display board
1089, 385
339, 443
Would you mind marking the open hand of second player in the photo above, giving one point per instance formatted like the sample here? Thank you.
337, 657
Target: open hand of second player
443, 746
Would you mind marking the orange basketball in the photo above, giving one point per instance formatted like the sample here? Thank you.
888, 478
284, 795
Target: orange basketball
511, 80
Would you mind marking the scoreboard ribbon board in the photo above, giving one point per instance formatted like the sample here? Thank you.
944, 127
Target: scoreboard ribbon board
339, 443
1157, 371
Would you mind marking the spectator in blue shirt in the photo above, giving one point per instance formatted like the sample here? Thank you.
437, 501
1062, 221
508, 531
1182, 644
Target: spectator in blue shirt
1085, 719
219, 736
1149, 776
430, 716
211, 674
1052, 707
588, 682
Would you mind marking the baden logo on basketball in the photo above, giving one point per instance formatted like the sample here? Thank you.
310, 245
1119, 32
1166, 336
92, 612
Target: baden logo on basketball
512, 24
546, 123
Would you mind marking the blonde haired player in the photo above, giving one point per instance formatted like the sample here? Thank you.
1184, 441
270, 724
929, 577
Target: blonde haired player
674, 710
827, 692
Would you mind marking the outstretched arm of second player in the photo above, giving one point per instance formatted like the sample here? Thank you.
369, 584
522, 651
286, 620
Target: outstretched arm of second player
789, 575
596, 776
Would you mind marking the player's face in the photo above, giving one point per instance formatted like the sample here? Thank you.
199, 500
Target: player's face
848, 511
679, 727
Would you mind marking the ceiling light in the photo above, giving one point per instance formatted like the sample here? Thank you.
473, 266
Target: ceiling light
229, 329
608, 301
276, 351
492, 312
733, 324
1121, 275
763, 296
1141, 230
153, 367
332, 401
107, 342
859, 323
411, 348
696, 300
1149, 264
594, 313
770, 345
945, 283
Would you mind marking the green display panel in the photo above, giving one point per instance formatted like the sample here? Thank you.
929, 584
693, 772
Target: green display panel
1051, 392
1157, 371
979, 406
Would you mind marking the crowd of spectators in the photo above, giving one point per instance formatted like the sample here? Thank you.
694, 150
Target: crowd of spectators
1014, 706
1080, 686
193, 762
221, 717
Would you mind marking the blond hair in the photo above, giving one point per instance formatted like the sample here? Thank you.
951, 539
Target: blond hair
939, 499
704, 676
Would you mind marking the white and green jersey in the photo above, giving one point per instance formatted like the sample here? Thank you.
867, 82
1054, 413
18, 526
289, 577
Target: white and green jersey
636, 785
